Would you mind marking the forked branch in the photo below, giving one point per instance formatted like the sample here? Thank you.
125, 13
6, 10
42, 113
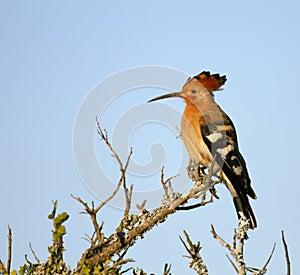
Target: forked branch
125, 235
236, 249
92, 211
287, 257
193, 250
6, 269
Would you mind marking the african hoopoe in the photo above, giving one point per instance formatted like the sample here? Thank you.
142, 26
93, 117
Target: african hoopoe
208, 133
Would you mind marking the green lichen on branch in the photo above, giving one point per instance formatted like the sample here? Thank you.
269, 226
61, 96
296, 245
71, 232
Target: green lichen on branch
54, 263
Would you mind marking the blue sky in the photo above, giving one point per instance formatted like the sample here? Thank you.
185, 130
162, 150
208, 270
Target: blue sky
52, 55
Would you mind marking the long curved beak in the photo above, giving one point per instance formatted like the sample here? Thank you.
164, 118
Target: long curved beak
175, 94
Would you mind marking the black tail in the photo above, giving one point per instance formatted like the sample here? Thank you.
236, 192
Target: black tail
243, 205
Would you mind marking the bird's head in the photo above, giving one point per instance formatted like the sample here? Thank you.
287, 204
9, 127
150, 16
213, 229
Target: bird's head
197, 87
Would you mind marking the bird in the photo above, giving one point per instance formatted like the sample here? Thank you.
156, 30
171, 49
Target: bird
209, 135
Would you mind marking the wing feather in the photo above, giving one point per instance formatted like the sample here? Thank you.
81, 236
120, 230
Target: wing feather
221, 139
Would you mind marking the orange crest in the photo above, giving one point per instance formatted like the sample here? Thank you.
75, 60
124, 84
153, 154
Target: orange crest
211, 82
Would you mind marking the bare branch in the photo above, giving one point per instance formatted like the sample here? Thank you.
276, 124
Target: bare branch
128, 193
128, 159
104, 136
187, 240
169, 194
92, 211
97, 228
128, 196
88, 238
219, 239
9, 248
86, 206
237, 248
141, 206
167, 269
135, 225
196, 262
236, 251
115, 266
270, 257
139, 271
287, 258
170, 178
166, 182
33, 253
234, 239
200, 204
114, 244
126, 270
232, 263
110, 197
93, 214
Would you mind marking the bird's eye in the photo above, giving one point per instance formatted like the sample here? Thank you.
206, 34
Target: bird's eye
193, 91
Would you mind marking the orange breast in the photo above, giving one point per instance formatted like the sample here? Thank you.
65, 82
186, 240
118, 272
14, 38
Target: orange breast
191, 134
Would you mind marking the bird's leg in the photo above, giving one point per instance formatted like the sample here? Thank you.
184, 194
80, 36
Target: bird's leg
195, 171
192, 171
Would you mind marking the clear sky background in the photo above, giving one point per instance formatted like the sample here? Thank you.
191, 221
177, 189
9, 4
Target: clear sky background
53, 53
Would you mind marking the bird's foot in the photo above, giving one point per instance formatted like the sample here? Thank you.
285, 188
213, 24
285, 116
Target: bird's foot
195, 171
197, 174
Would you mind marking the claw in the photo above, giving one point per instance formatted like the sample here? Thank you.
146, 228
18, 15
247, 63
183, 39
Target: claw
195, 171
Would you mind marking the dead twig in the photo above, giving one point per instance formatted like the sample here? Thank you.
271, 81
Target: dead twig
167, 269
169, 194
128, 197
116, 266
167, 182
128, 194
200, 204
162, 176
193, 250
93, 214
263, 270
232, 263
104, 136
92, 211
237, 248
141, 208
123, 168
33, 253
126, 270
110, 197
269, 259
9, 250
287, 258
219, 239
